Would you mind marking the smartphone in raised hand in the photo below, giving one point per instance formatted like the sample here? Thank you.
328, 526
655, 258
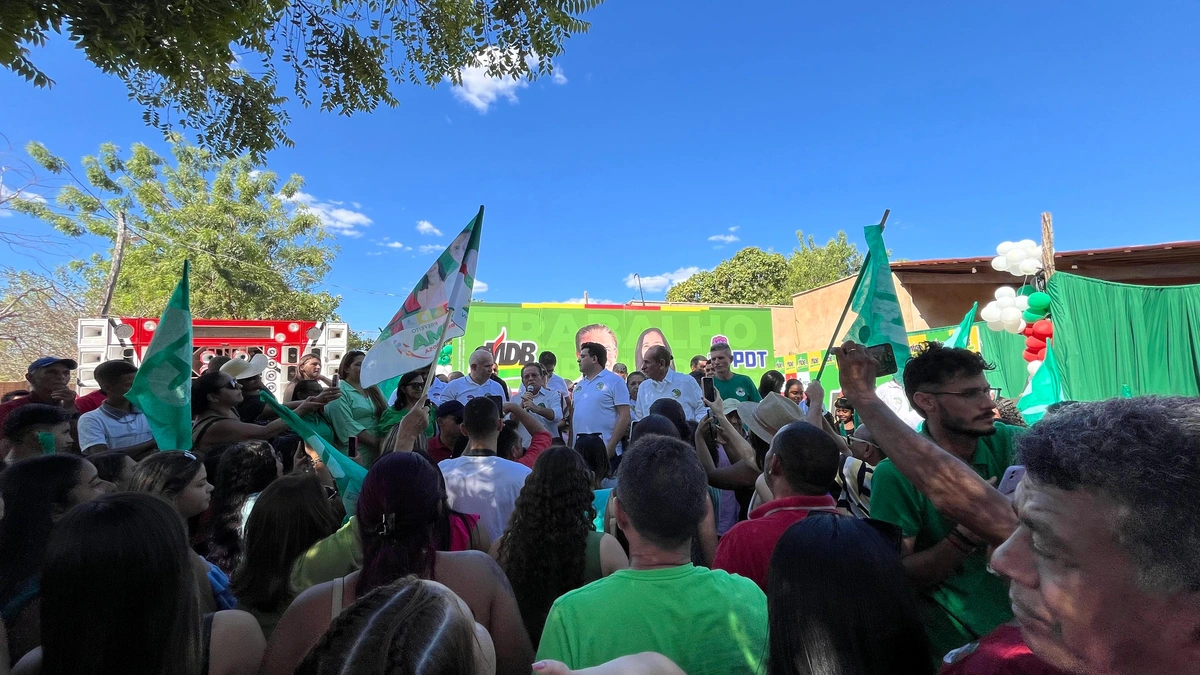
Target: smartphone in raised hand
333, 381
886, 357
710, 389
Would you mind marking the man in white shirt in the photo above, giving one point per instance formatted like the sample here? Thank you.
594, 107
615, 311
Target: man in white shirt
543, 404
554, 382
662, 382
601, 400
477, 383
479, 481
116, 424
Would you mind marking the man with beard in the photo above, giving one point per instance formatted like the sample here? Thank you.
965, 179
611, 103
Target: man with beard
947, 563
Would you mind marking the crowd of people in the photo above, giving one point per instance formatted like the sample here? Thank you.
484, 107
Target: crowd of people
649, 521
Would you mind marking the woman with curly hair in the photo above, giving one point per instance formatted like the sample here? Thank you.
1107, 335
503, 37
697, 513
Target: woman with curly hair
398, 512
551, 545
246, 469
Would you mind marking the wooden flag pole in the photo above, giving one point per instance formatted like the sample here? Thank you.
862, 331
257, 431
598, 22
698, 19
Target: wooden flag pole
1047, 244
441, 343
849, 301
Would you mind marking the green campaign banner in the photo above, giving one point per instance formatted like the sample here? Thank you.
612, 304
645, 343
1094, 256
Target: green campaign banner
517, 333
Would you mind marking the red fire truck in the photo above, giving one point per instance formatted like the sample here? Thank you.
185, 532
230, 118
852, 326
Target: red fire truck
283, 341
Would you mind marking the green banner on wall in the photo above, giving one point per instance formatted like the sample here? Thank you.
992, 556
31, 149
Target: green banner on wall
518, 333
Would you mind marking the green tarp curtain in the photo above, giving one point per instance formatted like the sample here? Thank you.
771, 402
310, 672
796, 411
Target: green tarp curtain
1109, 334
1003, 350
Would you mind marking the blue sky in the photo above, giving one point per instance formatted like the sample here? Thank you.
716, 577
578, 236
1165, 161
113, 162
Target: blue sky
674, 122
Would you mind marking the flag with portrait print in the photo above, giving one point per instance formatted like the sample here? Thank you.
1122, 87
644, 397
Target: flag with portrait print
432, 314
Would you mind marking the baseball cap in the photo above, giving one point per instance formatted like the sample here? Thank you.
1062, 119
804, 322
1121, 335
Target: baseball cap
731, 405
49, 361
449, 408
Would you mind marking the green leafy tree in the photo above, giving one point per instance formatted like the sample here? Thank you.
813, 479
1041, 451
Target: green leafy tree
756, 277
811, 266
215, 65
358, 340
253, 255
752, 276
38, 316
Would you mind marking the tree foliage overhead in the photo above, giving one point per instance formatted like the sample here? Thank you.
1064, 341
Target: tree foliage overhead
188, 62
38, 316
253, 256
756, 277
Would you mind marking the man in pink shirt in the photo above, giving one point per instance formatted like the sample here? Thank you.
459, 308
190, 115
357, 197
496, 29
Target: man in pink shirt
799, 469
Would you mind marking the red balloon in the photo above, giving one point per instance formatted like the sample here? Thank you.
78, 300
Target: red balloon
1035, 344
1031, 356
1043, 329
1042, 355
1028, 330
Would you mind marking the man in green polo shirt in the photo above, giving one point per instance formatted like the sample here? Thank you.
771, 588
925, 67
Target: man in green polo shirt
728, 384
947, 564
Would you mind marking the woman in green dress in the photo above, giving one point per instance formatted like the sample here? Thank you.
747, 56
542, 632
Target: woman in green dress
356, 413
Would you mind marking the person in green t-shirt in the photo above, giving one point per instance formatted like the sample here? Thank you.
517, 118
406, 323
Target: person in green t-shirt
729, 384
709, 622
947, 563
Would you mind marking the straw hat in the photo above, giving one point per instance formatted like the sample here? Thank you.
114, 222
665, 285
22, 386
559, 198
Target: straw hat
244, 369
765, 419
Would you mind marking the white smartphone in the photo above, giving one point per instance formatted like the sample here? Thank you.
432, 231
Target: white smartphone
1012, 476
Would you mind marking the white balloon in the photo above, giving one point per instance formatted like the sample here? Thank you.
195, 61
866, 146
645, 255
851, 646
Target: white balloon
1022, 326
1005, 247
1010, 314
1022, 302
1006, 292
1013, 328
1036, 252
1005, 303
1015, 256
990, 312
1000, 263
1033, 366
1026, 244
996, 325
1030, 266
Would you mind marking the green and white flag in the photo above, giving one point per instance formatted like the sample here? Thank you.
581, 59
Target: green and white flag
961, 337
1045, 388
434, 312
875, 303
162, 388
347, 474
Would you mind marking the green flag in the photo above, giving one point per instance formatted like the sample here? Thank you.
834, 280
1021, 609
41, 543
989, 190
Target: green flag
1125, 391
878, 319
347, 474
961, 337
162, 388
1045, 389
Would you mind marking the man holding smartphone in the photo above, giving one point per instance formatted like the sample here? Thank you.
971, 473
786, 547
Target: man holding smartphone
601, 400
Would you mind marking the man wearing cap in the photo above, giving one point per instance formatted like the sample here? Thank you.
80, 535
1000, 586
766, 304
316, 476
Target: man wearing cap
662, 382
248, 373
48, 379
449, 418
799, 468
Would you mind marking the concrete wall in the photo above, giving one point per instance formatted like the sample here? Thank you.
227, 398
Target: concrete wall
815, 315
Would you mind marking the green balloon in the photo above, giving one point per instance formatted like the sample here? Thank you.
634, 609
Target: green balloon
1039, 301
1026, 290
1030, 315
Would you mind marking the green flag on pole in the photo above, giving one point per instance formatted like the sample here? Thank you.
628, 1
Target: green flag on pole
961, 337
875, 303
347, 474
162, 388
1045, 388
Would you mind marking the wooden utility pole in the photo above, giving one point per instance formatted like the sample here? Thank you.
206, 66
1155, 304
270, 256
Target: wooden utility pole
114, 269
1047, 244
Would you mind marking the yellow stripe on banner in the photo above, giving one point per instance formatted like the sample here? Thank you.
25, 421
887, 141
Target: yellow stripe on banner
914, 340
548, 305
683, 308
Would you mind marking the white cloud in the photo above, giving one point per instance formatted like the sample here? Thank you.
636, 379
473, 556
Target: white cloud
374, 252
7, 196
356, 205
590, 301
661, 282
426, 227
481, 90
393, 244
431, 248
479, 287
333, 218
726, 238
